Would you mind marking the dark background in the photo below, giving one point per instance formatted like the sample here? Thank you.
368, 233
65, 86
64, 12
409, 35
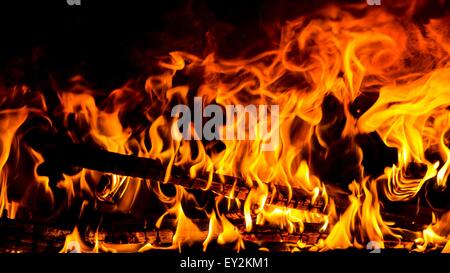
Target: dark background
109, 41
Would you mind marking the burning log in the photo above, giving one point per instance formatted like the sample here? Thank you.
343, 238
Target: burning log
65, 157
27, 237
82, 156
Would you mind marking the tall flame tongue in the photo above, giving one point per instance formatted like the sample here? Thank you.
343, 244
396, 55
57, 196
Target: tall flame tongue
338, 76
10, 121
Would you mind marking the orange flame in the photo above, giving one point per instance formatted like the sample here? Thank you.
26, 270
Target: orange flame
345, 53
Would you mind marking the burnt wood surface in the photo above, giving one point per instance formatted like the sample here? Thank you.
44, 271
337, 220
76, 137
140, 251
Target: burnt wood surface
65, 157
25, 237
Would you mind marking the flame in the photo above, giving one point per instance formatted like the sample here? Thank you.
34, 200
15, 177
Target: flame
442, 122
224, 231
361, 223
315, 73
435, 235
75, 244
10, 121
410, 107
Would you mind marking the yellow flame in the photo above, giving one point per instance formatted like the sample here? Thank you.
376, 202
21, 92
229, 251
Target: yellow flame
10, 121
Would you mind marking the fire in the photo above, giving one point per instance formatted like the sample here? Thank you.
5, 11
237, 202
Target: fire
74, 243
318, 71
187, 232
364, 209
10, 121
436, 234
414, 105
221, 229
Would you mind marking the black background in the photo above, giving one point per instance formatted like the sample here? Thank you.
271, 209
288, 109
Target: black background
110, 41
167, 261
